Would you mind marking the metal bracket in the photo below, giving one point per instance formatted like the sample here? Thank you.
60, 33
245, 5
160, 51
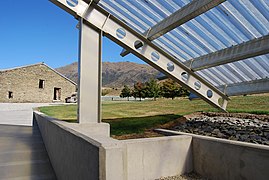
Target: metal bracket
225, 88
147, 32
84, 13
128, 38
191, 63
105, 21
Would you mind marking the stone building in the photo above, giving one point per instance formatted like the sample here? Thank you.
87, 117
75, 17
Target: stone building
36, 83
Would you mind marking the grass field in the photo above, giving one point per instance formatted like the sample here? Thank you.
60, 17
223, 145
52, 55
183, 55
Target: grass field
135, 116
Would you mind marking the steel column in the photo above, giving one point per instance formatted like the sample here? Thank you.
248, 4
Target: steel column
89, 91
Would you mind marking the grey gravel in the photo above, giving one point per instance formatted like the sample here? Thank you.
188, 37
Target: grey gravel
246, 130
190, 176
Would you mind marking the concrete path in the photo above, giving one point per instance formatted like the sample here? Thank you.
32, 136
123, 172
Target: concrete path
23, 155
18, 113
22, 152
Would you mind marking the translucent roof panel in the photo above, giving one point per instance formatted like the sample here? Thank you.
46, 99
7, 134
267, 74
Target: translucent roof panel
226, 25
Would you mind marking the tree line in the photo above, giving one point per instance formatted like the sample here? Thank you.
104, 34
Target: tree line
153, 89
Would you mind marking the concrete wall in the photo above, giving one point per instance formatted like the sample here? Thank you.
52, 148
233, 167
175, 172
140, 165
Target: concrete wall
224, 159
24, 83
85, 151
158, 157
72, 155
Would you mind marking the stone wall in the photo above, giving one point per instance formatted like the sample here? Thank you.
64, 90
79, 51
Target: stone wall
24, 84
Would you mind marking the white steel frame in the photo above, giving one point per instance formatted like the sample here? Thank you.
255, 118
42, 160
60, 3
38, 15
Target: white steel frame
98, 20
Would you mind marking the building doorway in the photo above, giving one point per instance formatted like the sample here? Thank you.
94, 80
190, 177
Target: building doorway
57, 94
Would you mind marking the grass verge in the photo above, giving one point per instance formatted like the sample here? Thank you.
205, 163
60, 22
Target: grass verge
137, 117
138, 125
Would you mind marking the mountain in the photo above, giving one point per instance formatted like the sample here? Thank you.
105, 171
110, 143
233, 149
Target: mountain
115, 74
70, 71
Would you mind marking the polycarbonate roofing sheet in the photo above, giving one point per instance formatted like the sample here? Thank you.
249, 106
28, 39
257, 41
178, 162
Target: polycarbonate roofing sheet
228, 24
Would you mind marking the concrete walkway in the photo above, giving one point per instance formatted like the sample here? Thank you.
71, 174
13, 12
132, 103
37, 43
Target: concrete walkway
23, 155
22, 152
18, 113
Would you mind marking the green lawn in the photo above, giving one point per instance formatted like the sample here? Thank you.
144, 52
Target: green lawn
68, 113
135, 116
138, 125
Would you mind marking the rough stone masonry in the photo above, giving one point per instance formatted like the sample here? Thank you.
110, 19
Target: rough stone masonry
36, 83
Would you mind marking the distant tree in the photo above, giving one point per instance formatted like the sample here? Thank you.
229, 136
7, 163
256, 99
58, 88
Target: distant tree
126, 92
170, 89
105, 91
184, 92
152, 89
138, 91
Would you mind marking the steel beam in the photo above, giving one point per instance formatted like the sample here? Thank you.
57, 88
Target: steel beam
89, 1
183, 15
186, 13
252, 48
89, 89
128, 38
249, 87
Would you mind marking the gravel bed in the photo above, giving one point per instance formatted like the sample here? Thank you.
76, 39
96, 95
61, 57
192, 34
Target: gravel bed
190, 176
233, 128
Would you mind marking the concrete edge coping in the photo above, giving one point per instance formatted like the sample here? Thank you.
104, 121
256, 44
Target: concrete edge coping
95, 140
102, 141
226, 141
155, 139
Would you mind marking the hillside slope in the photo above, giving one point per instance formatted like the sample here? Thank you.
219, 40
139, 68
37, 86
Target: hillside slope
115, 74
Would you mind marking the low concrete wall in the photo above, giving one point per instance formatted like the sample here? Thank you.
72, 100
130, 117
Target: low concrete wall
216, 158
73, 155
85, 151
158, 157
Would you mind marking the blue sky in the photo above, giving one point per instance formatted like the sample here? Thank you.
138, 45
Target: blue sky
33, 31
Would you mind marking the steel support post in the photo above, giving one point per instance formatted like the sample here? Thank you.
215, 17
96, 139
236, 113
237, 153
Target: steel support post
89, 90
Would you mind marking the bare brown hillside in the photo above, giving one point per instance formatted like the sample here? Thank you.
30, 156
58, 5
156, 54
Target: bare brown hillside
116, 74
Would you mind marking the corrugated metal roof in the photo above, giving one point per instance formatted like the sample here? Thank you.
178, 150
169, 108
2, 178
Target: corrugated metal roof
229, 24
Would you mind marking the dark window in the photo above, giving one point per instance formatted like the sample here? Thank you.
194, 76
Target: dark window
10, 95
41, 84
